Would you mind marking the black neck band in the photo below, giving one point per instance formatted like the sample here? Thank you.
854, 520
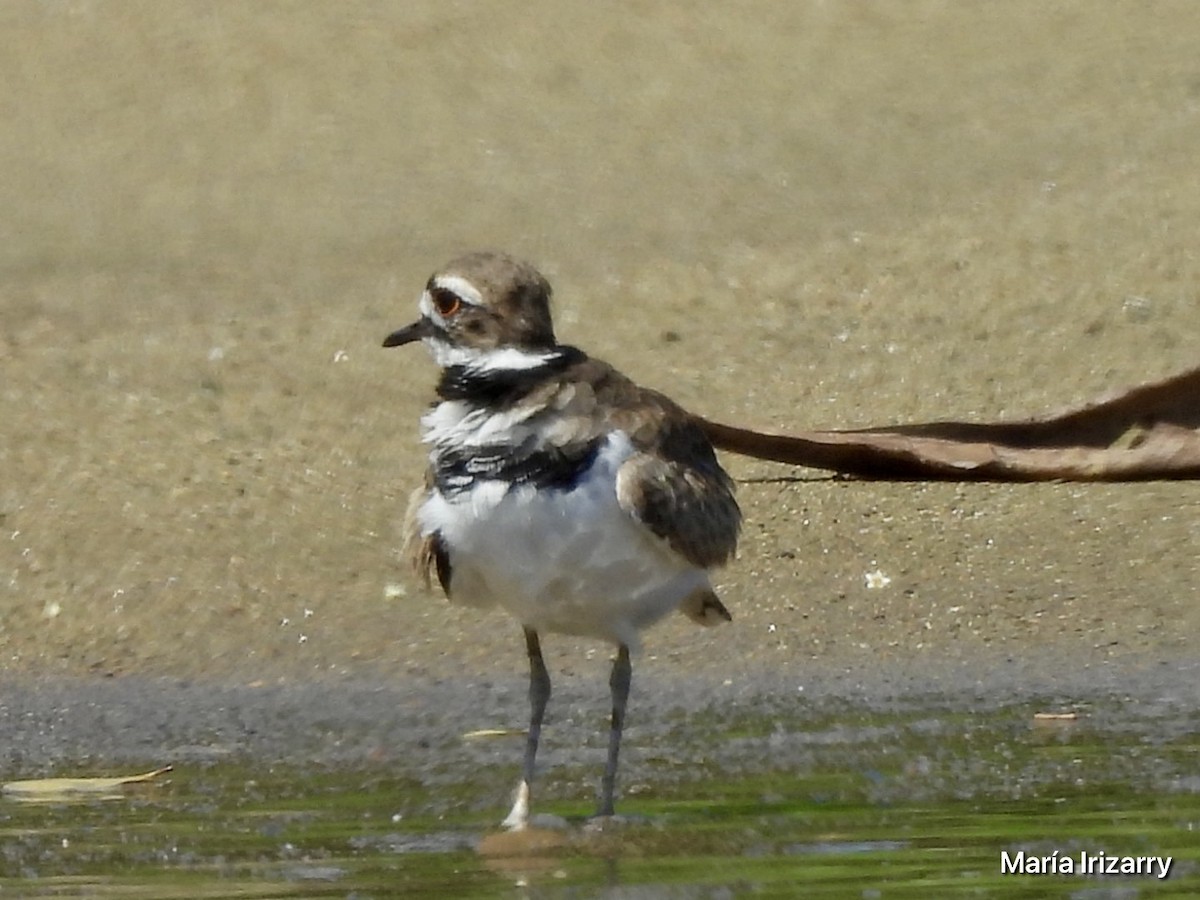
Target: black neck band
498, 387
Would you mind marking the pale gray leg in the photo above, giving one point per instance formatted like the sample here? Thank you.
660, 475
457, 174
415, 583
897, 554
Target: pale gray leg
539, 696
622, 675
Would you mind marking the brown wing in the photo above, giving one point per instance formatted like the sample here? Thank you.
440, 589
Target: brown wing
678, 490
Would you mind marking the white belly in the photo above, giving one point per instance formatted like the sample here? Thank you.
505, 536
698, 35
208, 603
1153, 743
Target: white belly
570, 561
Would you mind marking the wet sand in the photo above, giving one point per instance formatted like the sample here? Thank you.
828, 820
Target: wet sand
821, 215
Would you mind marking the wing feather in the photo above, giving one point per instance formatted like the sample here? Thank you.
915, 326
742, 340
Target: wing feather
682, 494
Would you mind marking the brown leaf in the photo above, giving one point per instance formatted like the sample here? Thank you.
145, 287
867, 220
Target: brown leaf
1150, 431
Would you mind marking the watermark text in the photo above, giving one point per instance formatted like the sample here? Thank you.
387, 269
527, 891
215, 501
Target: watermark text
1019, 862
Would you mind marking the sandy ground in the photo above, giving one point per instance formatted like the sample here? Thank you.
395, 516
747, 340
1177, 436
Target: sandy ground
805, 214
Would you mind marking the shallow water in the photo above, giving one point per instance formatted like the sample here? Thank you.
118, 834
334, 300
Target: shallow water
882, 805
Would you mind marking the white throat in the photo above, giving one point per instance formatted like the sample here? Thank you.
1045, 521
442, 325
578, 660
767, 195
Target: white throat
496, 359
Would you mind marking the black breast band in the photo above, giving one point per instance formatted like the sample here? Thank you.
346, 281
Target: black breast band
457, 470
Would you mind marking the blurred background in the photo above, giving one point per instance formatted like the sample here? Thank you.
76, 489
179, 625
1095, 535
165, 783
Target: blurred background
784, 214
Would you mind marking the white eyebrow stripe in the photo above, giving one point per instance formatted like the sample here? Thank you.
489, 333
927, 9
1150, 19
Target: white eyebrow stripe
460, 286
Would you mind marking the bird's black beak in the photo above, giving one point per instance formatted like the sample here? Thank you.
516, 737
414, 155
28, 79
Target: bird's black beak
418, 330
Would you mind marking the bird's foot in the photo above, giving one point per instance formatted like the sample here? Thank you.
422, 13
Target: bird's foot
518, 817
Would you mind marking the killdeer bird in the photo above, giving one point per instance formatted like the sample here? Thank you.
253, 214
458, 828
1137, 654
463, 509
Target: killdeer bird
557, 489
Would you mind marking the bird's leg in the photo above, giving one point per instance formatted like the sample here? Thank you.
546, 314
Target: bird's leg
622, 674
539, 695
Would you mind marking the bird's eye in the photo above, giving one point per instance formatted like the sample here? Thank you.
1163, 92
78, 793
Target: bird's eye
447, 303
